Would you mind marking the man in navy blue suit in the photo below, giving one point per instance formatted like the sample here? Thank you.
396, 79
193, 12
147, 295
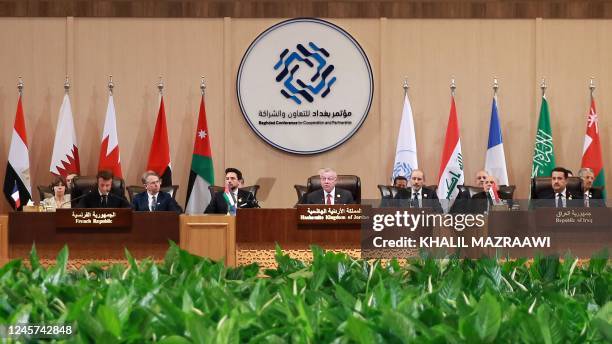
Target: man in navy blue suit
153, 199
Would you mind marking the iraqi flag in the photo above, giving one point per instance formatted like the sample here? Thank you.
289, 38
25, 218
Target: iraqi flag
159, 155
17, 187
451, 165
65, 157
202, 173
495, 160
591, 152
110, 159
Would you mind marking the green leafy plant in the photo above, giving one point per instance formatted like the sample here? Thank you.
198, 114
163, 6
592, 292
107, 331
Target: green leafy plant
333, 299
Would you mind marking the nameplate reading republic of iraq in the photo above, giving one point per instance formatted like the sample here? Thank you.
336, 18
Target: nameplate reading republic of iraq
313, 214
93, 218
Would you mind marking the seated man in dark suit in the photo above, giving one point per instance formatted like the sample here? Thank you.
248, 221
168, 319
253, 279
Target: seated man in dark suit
418, 195
226, 202
559, 196
153, 199
329, 194
102, 197
400, 182
482, 201
592, 196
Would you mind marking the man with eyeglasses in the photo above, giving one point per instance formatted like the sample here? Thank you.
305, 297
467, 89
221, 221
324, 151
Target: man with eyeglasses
329, 193
153, 199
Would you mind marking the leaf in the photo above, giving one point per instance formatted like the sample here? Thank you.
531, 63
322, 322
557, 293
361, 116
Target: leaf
174, 340
34, 260
603, 321
484, 322
359, 331
109, 320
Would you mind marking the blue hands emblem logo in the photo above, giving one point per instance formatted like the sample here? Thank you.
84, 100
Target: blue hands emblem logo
290, 62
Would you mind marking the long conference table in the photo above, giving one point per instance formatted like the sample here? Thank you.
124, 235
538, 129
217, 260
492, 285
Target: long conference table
250, 236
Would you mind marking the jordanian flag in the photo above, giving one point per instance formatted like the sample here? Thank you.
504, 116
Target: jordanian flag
202, 173
543, 151
591, 152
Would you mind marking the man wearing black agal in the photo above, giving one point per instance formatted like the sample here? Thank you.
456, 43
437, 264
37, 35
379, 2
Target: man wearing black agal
224, 202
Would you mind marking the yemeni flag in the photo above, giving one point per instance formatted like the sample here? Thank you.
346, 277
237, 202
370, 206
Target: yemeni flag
451, 165
543, 151
159, 155
65, 157
202, 173
591, 152
17, 187
109, 150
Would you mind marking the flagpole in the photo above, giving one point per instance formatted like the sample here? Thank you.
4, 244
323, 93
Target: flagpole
495, 87
160, 86
202, 86
453, 86
20, 86
405, 86
111, 85
543, 87
66, 85
592, 87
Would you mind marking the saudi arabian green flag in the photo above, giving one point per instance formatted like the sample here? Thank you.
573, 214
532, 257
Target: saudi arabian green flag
543, 151
202, 174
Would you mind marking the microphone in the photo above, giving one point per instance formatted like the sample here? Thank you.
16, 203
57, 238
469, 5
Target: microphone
76, 198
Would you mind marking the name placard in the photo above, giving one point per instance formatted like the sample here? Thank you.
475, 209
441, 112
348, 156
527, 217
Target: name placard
93, 218
313, 214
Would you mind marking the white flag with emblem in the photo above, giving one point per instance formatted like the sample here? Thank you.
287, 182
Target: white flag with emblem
406, 150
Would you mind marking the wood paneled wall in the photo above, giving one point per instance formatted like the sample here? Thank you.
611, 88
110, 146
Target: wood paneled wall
428, 52
516, 9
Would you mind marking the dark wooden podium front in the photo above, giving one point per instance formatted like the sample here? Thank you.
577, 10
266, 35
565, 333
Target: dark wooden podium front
147, 236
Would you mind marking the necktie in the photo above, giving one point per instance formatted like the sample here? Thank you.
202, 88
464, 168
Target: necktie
559, 200
415, 199
234, 199
328, 200
104, 203
153, 203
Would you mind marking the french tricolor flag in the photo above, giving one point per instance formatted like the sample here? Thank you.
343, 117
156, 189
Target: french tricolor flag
495, 161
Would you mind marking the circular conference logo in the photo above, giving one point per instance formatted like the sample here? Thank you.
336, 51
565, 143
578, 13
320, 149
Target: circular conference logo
305, 86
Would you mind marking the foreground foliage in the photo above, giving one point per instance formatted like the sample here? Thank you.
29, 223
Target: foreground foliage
188, 299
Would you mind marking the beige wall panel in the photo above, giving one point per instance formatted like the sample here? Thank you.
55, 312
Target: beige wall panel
429, 53
574, 51
136, 53
36, 50
257, 159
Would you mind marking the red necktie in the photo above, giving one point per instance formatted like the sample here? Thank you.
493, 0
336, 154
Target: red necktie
328, 200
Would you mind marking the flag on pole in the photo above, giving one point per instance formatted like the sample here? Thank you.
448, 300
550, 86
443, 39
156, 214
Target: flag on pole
451, 165
159, 155
495, 160
202, 173
494, 194
109, 150
591, 152
543, 152
17, 186
406, 150
65, 157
